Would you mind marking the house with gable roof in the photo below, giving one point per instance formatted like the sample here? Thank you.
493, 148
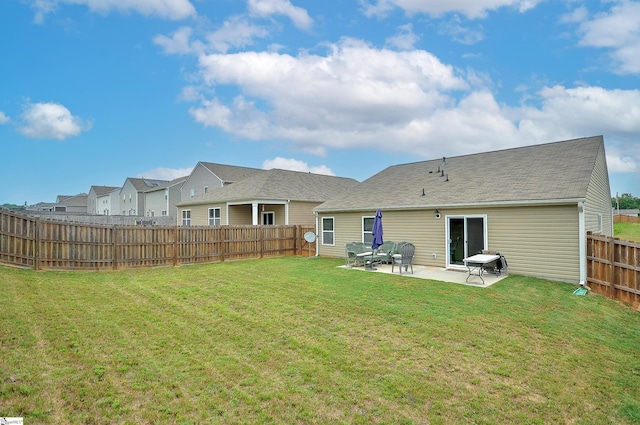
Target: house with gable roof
162, 199
99, 200
534, 204
132, 194
271, 197
207, 176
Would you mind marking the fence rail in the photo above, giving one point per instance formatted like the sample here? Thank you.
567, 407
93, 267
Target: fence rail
625, 219
43, 244
613, 268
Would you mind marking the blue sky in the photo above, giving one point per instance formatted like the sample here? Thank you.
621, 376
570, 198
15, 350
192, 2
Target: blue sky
95, 91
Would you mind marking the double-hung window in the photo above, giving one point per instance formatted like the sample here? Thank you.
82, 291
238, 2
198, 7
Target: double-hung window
214, 217
186, 217
328, 232
367, 230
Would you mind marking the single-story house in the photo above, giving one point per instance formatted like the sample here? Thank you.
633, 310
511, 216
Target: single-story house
272, 197
534, 204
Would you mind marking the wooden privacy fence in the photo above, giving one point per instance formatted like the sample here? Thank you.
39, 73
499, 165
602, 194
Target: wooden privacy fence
39, 244
613, 268
625, 219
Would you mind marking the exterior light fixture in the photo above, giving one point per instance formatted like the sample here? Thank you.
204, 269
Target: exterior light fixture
437, 213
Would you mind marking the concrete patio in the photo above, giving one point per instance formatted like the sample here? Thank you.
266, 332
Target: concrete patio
436, 273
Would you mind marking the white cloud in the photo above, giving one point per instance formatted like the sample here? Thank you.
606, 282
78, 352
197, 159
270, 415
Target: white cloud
623, 164
235, 32
166, 9
472, 9
578, 15
296, 165
51, 121
584, 110
358, 96
163, 173
619, 32
266, 8
354, 90
4, 119
179, 43
459, 33
405, 39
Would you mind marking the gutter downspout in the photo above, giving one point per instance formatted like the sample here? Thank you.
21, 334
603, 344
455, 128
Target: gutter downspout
315, 213
286, 212
582, 242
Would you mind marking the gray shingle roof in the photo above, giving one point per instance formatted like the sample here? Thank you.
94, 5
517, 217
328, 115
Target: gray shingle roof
548, 172
278, 184
166, 184
143, 185
103, 190
231, 173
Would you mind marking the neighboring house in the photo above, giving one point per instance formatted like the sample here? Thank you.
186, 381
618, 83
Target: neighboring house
273, 197
72, 204
109, 203
132, 195
534, 204
42, 206
98, 200
207, 176
162, 200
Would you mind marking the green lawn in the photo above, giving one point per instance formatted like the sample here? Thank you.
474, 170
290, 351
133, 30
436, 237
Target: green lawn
295, 340
627, 231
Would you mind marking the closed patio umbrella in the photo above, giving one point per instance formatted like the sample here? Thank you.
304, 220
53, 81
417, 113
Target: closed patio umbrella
376, 231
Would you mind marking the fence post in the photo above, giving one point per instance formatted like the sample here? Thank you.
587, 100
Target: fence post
36, 248
176, 245
114, 237
611, 246
223, 242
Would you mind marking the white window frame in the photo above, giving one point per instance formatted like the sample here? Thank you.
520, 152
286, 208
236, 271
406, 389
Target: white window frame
331, 232
266, 214
186, 218
215, 221
367, 235
600, 223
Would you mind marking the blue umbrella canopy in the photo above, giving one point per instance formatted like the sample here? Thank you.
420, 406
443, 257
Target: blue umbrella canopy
377, 231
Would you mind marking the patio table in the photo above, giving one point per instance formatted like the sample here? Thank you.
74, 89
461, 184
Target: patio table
363, 255
477, 263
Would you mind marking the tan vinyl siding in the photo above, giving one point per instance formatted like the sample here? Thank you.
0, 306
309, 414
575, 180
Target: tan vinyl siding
198, 215
276, 209
418, 227
240, 215
598, 200
538, 241
301, 213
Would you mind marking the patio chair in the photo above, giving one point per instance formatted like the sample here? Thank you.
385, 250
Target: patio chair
405, 258
384, 252
498, 266
352, 249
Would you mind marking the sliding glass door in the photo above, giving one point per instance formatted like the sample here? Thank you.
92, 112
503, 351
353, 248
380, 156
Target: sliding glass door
466, 236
